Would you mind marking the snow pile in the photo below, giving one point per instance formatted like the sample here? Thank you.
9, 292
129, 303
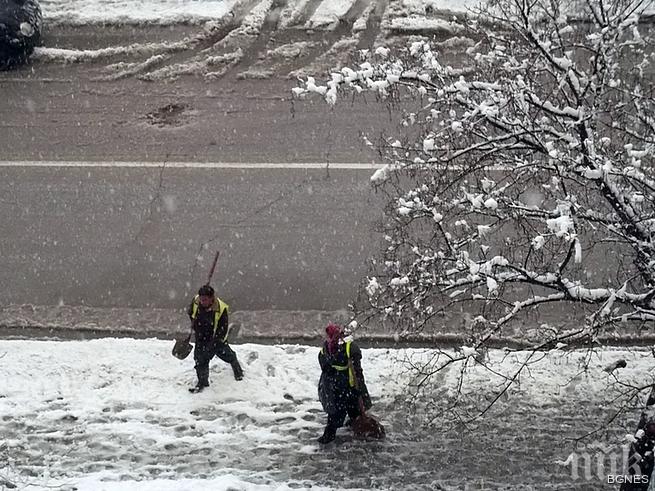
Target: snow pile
411, 24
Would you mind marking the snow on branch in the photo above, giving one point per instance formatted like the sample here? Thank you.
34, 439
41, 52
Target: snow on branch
521, 176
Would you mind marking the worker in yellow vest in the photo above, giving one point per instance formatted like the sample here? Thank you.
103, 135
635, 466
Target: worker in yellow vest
209, 321
342, 383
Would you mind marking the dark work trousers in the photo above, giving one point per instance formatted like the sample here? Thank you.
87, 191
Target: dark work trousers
348, 404
204, 352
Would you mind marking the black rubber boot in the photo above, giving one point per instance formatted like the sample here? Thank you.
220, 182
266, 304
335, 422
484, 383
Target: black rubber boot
238, 371
199, 386
328, 435
203, 379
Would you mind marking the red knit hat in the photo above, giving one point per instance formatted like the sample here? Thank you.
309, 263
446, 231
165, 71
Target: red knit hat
334, 333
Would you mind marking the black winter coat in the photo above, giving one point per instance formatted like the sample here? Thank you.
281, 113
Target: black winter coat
203, 326
334, 390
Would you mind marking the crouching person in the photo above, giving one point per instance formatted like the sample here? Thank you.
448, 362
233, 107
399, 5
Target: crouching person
342, 381
209, 318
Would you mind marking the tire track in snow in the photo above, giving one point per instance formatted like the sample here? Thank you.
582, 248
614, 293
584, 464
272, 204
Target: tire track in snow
229, 23
307, 13
369, 36
225, 49
345, 25
257, 49
180, 59
161, 55
256, 39
319, 48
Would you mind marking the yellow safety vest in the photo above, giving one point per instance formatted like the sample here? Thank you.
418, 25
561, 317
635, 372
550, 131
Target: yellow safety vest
341, 368
219, 307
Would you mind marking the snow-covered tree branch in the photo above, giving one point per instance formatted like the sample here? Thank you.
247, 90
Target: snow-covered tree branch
524, 178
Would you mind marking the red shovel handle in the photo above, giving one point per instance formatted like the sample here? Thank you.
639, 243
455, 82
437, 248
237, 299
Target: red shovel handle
211, 271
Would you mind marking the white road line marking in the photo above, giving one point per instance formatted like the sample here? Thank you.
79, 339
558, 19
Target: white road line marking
192, 165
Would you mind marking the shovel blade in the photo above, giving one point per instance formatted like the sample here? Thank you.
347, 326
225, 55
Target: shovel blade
182, 348
366, 426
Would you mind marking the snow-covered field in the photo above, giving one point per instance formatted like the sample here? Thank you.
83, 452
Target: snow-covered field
173, 11
116, 414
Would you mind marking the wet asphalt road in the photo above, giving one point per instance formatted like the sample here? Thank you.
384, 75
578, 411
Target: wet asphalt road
293, 239
60, 112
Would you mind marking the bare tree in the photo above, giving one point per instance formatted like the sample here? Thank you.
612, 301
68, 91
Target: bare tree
521, 189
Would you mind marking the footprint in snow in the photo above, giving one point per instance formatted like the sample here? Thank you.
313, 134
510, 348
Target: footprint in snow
252, 356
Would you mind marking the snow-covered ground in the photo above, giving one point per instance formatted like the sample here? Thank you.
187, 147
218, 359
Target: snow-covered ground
174, 11
329, 13
249, 39
115, 414
118, 11
326, 14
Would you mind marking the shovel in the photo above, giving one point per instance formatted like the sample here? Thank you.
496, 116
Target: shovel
365, 426
182, 347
